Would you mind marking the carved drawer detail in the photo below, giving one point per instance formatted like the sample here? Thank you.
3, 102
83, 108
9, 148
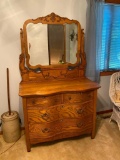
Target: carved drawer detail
77, 97
44, 101
60, 128
60, 112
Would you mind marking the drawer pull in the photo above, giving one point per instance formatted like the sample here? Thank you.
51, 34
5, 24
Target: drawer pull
80, 111
90, 96
45, 116
79, 125
45, 130
33, 102
69, 98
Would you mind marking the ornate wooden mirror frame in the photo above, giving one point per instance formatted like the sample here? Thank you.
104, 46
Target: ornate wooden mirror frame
59, 71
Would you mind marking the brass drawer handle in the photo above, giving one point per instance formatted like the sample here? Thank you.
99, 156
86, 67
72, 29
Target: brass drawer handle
45, 116
80, 111
62, 106
79, 125
69, 98
33, 102
90, 96
45, 130
44, 97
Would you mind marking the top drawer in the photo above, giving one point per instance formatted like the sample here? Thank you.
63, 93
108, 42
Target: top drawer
44, 101
78, 97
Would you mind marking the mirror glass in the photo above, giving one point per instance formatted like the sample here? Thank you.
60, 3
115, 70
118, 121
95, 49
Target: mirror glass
52, 43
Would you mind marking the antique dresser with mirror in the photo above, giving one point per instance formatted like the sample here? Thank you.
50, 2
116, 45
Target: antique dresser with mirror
58, 100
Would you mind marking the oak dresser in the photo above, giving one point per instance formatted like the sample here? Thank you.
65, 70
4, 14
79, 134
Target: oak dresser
58, 100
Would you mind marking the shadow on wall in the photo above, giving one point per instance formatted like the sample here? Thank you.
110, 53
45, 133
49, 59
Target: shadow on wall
21, 112
103, 103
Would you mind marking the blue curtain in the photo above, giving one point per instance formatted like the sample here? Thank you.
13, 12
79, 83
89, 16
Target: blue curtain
93, 36
110, 55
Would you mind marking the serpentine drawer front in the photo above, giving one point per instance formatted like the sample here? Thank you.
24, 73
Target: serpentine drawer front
54, 113
59, 129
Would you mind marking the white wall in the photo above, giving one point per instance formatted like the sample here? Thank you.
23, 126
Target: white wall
104, 102
13, 13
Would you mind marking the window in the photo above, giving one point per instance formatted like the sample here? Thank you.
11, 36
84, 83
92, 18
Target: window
110, 51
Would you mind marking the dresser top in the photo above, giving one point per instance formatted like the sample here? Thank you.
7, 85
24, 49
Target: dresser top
52, 87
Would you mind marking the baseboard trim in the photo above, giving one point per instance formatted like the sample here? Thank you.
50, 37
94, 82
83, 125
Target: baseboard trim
103, 112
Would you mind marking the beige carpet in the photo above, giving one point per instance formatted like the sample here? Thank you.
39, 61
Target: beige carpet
105, 146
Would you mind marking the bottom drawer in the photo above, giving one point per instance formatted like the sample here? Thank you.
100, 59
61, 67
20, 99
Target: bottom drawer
59, 129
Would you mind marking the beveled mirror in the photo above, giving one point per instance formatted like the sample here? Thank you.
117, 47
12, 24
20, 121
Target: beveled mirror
51, 41
58, 42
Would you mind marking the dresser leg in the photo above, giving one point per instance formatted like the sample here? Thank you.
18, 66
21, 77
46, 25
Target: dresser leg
28, 144
28, 147
92, 136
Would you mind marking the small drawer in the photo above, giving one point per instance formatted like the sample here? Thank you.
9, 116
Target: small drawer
44, 101
43, 116
77, 97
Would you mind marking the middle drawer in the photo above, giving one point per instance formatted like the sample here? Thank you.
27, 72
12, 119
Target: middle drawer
60, 112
